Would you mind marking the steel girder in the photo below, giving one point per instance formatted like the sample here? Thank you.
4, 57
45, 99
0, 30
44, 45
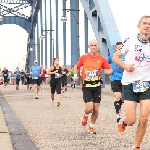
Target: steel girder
16, 1
18, 18
5, 10
104, 26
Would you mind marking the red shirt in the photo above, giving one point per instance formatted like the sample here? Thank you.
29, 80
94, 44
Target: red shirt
91, 63
43, 72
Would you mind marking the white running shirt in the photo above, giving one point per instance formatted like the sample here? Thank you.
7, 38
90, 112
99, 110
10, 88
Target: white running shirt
137, 53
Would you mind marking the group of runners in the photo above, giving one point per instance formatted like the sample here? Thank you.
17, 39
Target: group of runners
129, 71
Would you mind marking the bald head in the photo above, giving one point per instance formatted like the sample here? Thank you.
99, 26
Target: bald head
93, 46
93, 41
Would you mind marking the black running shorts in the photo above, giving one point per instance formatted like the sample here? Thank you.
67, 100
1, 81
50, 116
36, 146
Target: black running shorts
129, 94
36, 81
17, 81
5, 79
92, 94
55, 86
29, 80
64, 81
116, 86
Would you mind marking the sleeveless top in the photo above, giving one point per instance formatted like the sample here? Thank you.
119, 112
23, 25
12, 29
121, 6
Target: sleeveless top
57, 75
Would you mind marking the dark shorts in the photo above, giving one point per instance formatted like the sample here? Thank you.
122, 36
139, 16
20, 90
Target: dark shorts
71, 79
129, 94
5, 79
64, 81
29, 80
17, 81
43, 79
36, 81
116, 86
55, 86
92, 94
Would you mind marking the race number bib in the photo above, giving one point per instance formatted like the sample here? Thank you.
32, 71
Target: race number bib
35, 77
57, 75
140, 86
5, 74
29, 76
64, 72
92, 75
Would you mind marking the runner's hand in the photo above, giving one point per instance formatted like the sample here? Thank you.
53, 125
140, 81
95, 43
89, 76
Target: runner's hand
129, 68
108, 71
75, 78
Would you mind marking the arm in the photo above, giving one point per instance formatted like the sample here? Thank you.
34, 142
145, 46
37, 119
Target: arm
122, 51
106, 66
31, 70
50, 71
117, 59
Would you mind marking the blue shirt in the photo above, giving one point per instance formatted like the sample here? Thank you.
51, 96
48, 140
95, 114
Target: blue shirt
18, 73
117, 70
36, 70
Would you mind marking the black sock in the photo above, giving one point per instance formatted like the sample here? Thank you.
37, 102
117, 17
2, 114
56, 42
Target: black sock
117, 106
124, 123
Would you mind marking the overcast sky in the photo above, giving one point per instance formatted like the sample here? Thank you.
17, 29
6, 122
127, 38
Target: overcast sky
14, 39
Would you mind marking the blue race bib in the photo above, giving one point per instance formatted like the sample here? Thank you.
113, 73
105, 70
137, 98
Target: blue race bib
140, 86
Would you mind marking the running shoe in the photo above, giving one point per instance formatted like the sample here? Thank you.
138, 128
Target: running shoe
58, 104
92, 130
121, 126
84, 120
136, 148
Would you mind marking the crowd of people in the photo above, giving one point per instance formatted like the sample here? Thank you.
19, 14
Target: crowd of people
129, 71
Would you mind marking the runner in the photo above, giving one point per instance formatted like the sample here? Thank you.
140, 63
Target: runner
36, 72
92, 63
43, 79
64, 78
8, 78
22, 77
5, 75
46, 76
136, 79
18, 74
55, 82
116, 85
73, 83
29, 78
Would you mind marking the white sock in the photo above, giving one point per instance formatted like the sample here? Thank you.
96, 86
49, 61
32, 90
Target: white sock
118, 116
91, 125
86, 115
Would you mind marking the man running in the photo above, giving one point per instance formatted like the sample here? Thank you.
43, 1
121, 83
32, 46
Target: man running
73, 83
92, 63
29, 78
5, 75
18, 74
55, 83
116, 85
64, 78
43, 79
136, 79
36, 72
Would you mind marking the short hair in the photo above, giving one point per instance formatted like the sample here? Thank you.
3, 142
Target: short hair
56, 58
143, 17
118, 43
